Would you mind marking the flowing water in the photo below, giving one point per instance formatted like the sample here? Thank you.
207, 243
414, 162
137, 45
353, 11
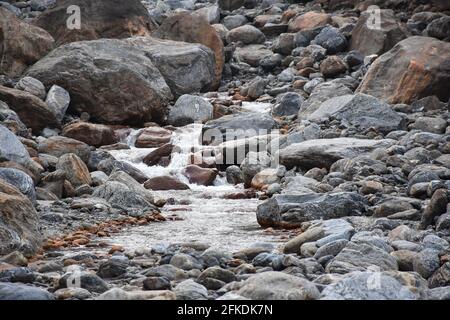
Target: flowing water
204, 215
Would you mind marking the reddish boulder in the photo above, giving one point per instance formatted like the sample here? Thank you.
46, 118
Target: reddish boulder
309, 20
415, 68
59, 145
21, 44
33, 112
154, 157
99, 19
201, 176
96, 135
153, 137
165, 183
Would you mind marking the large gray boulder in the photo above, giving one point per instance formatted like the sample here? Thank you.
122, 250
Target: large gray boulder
189, 109
110, 79
362, 111
17, 291
367, 286
290, 211
241, 125
324, 152
20, 180
11, 149
361, 256
277, 286
186, 67
320, 94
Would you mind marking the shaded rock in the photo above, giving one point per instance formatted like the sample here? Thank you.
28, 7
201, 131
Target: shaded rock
253, 163
96, 135
234, 175
362, 111
33, 112
105, 19
155, 156
289, 211
112, 268
331, 39
189, 109
157, 283
22, 44
441, 277
165, 183
324, 152
369, 39
415, 68
321, 93
278, 286
183, 26
85, 280
439, 28
186, 67
289, 104
436, 207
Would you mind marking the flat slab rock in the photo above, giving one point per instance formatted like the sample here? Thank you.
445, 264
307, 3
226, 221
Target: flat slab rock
290, 211
320, 153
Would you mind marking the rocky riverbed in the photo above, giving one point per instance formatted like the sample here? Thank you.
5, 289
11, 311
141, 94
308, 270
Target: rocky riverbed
238, 149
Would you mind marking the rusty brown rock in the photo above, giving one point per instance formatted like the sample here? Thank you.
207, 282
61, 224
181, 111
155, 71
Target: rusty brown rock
99, 19
59, 145
153, 137
309, 20
33, 112
165, 183
155, 156
21, 44
75, 169
415, 68
201, 176
96, 135
19, 223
